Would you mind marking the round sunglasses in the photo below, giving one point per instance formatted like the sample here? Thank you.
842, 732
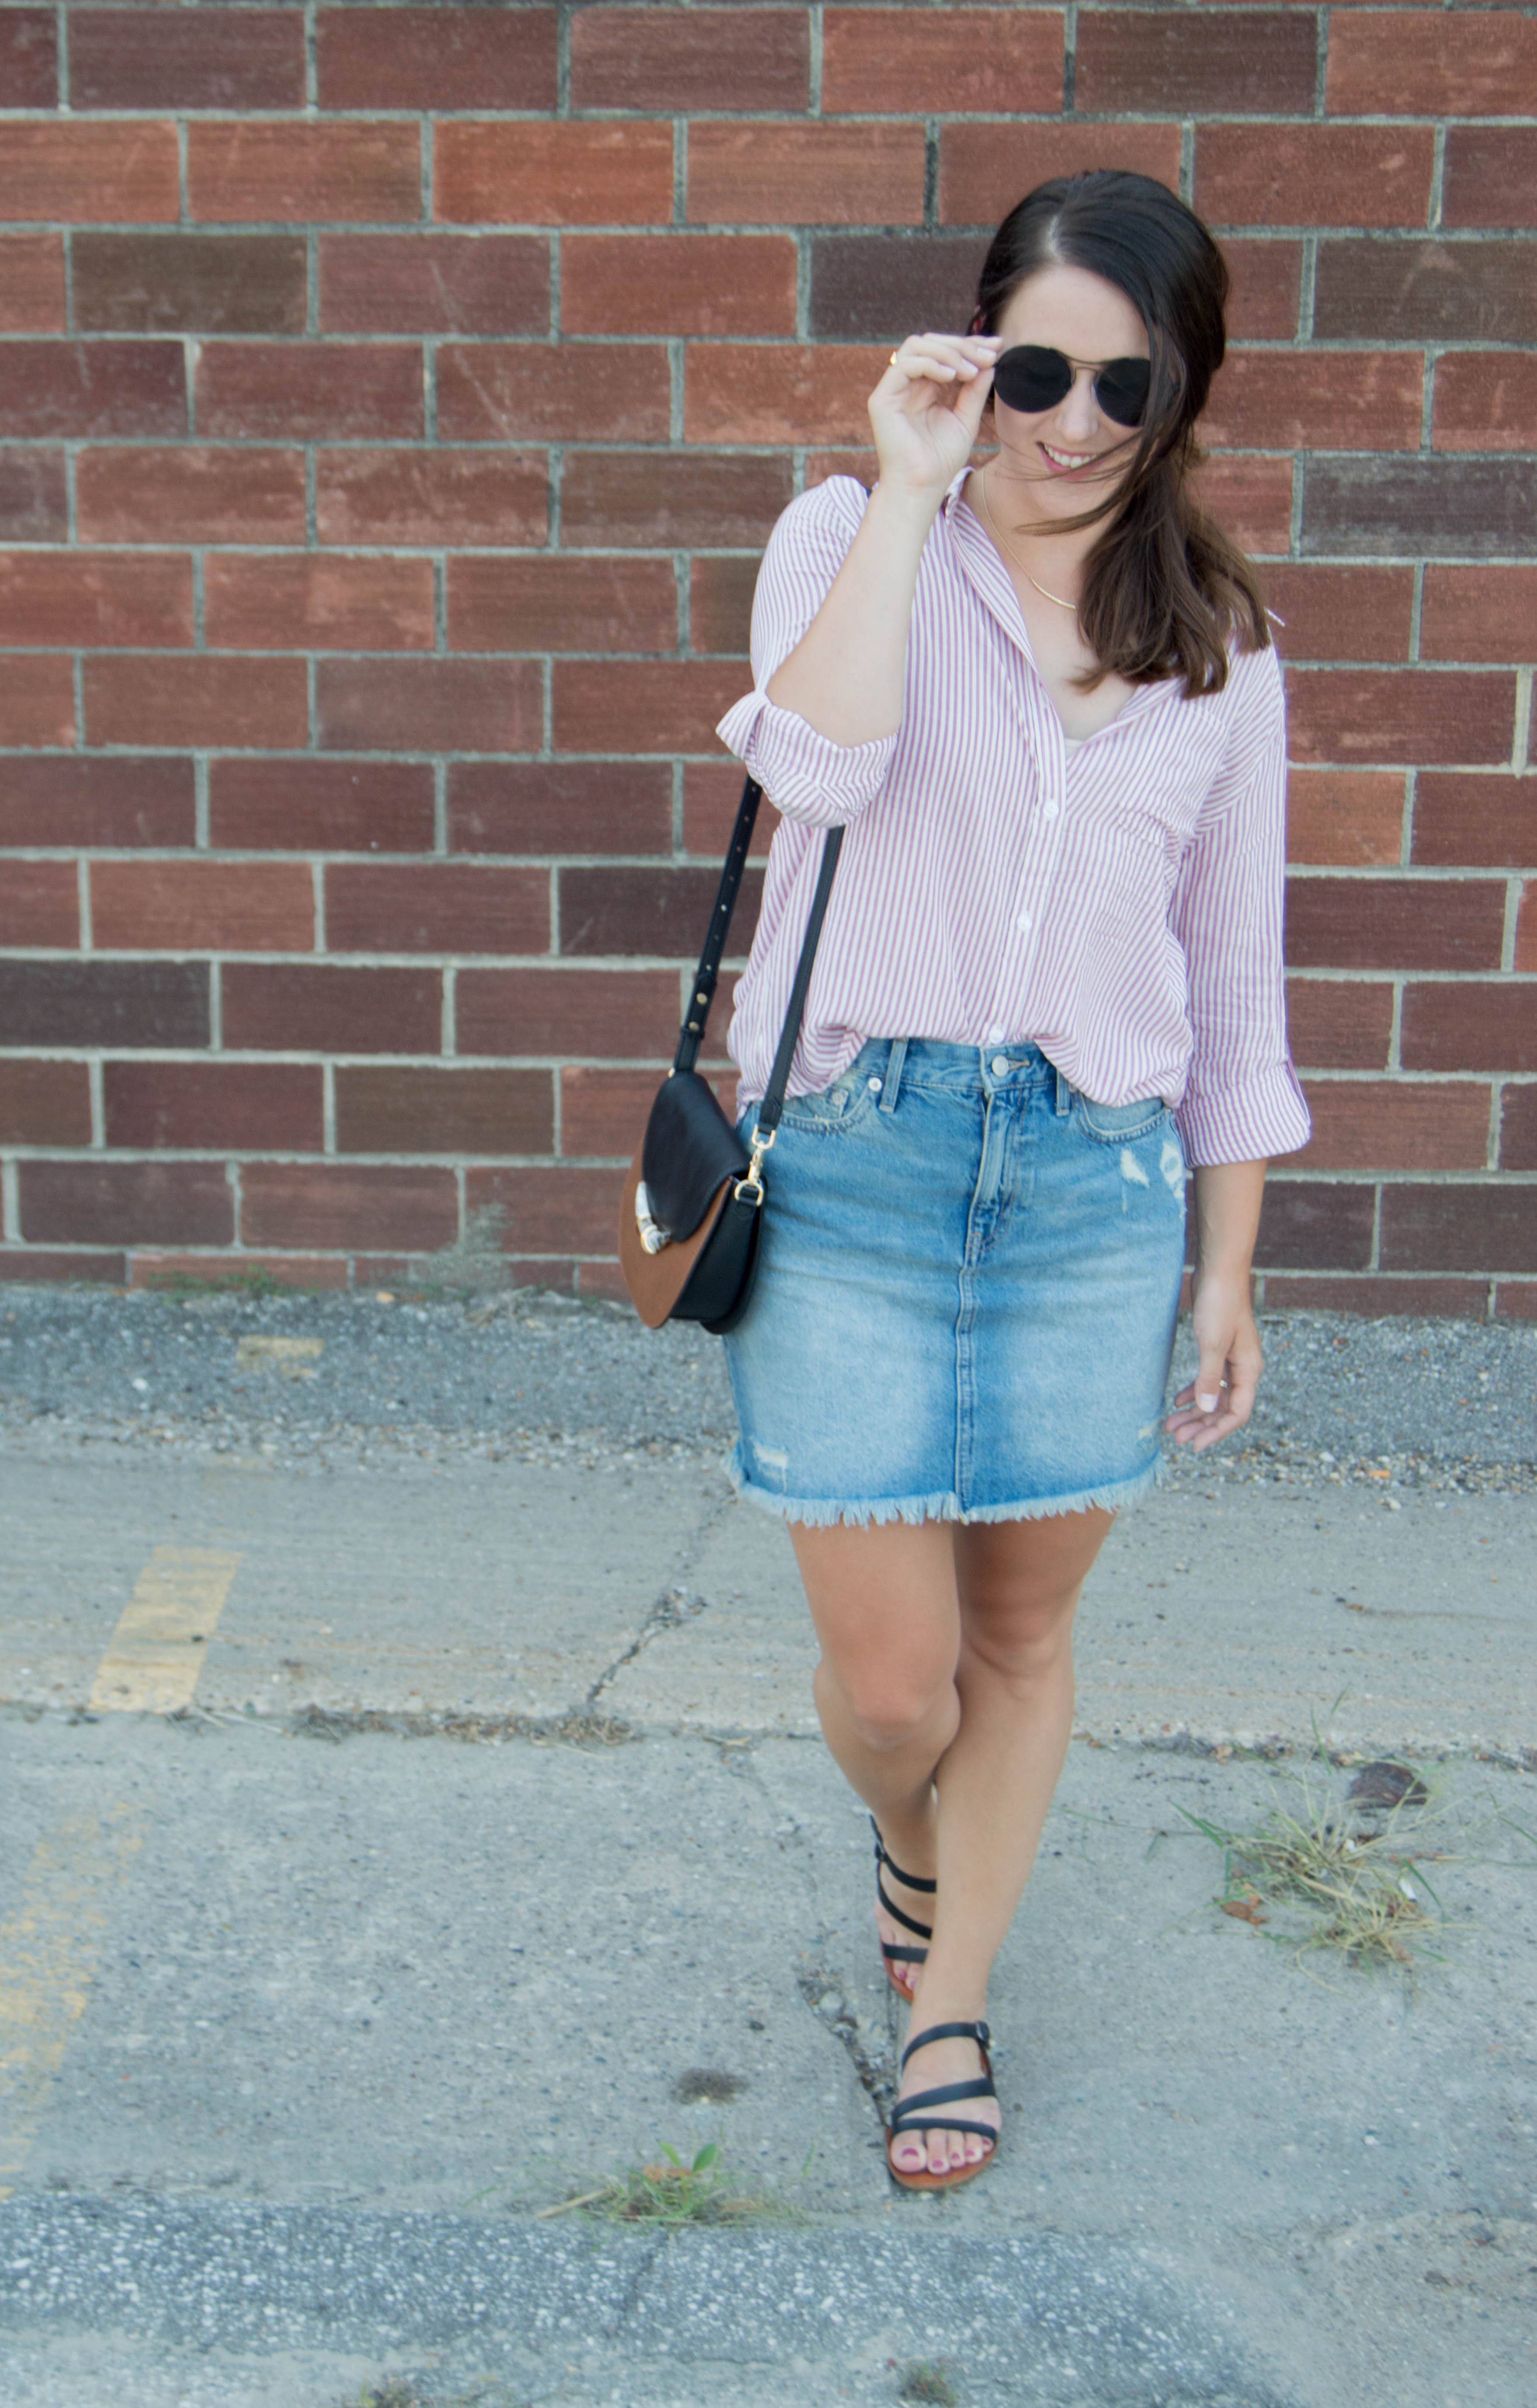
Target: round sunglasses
1030, 378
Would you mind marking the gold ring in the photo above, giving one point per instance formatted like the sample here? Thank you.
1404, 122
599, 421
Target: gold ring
892, 362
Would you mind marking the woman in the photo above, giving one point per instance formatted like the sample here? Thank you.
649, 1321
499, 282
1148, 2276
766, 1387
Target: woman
1042, 700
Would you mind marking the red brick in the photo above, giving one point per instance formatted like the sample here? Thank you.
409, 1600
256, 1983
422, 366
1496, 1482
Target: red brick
604, 1111
191, 494
1396, 1124
237, 907
1459, 1299
347, 1204
37, 700
74, 389
720, 603
1251, 499
32, 284
1315, 1225
1231, 60
254, 171
1341, 614
306, 388
1465, 1228
642, 706
444, 1111
434, 283
567, 1012
449, 910
152, 1267
551, 175
1517, 1127
1475, 1026
544, 605
985, 168
215, 283
38, 1264
1314, 175
1490, 176
779, 393
663, 913
141, 1004
266, 1105
433, 497
314, 601
711, 792
137, 1203
1486, 821
432, 706
1400, 291
910, 61
603, 1279
1265, 294
1352, 817
29, 73
108, 801
559, 806
1433, 63
550, 1208
186, 58
804, 175
308, 806
77, 173
437, 57
146, 699
1517, 1298
304, 1009
672, 500
1431, 715
34, 499
1484, 401
677, 59
1395, 923
1322, 401
75, 599
1485, 613
552, 392
44, 1103
677, 284
1340, 1024
39, 904
1526, 928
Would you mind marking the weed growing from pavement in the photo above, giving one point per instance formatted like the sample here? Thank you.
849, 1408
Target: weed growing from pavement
674, 2191
927, 2379
402, 2391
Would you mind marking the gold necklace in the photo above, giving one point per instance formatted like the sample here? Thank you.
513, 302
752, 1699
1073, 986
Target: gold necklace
981, 487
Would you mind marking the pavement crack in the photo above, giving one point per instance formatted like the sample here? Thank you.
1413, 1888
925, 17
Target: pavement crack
824, 1994
674, 1604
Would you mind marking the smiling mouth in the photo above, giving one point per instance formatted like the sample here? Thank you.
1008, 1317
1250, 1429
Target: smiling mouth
1069, 460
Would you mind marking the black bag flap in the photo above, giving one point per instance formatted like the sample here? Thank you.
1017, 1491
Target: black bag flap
690, 1147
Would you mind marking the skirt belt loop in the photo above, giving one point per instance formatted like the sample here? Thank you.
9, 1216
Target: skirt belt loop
893, 1074
1064, 1095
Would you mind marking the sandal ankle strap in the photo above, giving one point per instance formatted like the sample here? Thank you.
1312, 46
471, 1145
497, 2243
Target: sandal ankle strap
884, 1856
979, 2032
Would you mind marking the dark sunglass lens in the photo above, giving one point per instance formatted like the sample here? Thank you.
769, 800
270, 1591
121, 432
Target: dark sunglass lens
1032, 377
1121, 390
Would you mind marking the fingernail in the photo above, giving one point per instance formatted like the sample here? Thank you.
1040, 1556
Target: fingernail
1207, 1404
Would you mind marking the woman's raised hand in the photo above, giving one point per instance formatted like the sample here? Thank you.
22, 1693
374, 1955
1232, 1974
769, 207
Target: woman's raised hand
926, 409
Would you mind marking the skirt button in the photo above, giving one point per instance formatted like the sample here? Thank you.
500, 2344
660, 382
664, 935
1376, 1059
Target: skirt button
1001, 1066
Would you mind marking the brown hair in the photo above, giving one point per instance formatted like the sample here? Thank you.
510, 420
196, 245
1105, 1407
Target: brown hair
1165, 590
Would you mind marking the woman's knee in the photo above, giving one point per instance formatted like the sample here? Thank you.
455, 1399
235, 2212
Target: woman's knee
1023, 1640
889, 1705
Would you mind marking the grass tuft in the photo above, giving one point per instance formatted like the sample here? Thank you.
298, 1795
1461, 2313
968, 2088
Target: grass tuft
672, 2190
927, 2380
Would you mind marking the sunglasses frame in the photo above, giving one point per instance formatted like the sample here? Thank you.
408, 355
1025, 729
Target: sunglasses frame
1100, 367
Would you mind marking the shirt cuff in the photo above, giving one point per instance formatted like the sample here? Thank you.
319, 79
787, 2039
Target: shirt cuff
1267, 1115
804, 774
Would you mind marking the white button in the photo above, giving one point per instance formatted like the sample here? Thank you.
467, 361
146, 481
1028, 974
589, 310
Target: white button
874, 1085
1049, 810
1001, 1066
996, 1036
1024, 923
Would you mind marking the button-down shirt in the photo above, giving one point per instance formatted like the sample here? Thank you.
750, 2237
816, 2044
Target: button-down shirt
1118, 904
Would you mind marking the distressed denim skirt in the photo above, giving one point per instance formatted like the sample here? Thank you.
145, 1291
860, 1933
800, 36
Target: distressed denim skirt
966, 1296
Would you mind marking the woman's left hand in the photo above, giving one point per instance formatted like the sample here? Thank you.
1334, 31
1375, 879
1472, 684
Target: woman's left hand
1221, 1396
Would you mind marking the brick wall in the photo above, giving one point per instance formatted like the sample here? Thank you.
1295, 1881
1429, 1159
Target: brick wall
395, 401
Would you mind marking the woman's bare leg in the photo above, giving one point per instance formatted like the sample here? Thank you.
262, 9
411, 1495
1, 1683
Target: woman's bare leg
947, 1660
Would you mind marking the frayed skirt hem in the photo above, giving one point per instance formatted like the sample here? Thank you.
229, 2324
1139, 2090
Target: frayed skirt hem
824, 1513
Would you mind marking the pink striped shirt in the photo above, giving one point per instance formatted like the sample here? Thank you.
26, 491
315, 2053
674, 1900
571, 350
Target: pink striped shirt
1119, 905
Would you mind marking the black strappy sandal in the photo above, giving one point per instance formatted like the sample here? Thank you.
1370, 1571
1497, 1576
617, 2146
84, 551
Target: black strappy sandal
916, 2114
892, 1950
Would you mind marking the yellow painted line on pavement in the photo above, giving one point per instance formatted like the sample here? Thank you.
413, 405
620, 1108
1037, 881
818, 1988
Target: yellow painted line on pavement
156, 1652
50, 1944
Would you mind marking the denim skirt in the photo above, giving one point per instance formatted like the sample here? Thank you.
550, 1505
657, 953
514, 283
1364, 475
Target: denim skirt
966, 1294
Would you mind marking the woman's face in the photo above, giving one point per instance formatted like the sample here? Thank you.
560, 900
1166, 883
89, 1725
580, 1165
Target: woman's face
1067, 453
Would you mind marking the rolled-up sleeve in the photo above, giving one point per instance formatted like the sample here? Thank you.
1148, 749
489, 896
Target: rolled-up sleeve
804, 774
1241, 1101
